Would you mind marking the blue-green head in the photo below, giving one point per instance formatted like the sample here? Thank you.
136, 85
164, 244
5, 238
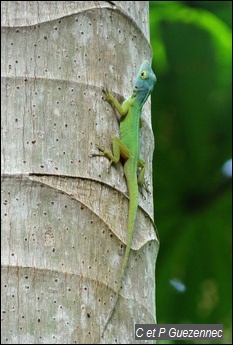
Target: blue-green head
144, 83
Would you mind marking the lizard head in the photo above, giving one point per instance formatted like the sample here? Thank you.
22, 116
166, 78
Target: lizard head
144, 83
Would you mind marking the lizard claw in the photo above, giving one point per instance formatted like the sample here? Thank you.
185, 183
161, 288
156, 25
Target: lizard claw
144, 186
102, 152
108, 96
100, 148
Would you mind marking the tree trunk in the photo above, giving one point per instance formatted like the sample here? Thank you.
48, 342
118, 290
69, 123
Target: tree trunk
64, 215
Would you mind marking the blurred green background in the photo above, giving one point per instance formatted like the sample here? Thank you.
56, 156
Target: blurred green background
191, 115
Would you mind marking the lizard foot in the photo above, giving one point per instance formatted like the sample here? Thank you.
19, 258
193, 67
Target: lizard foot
144, 187
95, 154
108, 96
103, 153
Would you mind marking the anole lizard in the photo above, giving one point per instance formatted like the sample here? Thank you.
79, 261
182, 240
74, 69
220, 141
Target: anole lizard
128, 148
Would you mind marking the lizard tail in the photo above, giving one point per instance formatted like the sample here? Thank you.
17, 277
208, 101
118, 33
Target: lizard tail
133, 205
132, 213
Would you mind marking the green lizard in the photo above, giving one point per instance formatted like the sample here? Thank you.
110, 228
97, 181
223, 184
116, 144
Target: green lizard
128, 148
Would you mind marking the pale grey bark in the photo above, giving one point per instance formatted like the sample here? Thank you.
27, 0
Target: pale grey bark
64, 216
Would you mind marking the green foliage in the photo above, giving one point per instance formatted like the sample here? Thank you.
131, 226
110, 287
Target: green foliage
191, 109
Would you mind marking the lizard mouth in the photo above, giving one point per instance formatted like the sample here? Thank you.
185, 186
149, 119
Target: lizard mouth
142, 93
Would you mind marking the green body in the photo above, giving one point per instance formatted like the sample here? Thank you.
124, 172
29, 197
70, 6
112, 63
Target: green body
128, 148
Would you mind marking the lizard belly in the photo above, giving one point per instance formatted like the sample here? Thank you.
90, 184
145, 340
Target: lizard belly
129, 131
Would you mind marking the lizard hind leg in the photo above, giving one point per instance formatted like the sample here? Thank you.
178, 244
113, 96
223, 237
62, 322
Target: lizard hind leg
118, 149
142, 165
142, 183
114, 155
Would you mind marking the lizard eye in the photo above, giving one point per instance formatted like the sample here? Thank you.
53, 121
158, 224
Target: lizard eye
143, 74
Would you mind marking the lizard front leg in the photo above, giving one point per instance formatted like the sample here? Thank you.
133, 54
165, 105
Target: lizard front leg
121, 108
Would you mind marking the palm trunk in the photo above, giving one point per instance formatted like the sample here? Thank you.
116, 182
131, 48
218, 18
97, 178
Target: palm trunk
63, 223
